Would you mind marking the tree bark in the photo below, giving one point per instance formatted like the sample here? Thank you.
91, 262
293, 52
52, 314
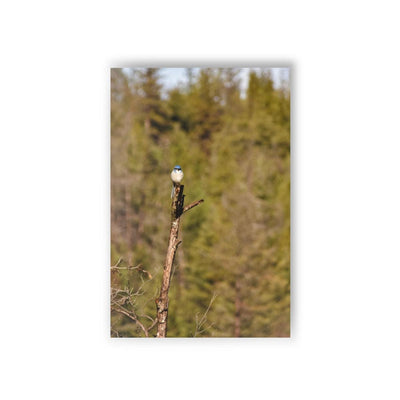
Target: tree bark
162, 301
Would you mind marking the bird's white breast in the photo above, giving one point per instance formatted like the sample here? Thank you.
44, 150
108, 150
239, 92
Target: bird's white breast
176, 176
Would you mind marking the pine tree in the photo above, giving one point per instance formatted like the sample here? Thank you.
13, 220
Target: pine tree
154, 112
235, 153
206, 107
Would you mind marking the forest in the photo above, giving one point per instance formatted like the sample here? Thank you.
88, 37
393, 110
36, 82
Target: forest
231, 275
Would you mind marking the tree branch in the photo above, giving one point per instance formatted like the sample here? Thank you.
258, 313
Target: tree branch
194, 204
152, 325
117, 264
203, 319
133, 317
162, 300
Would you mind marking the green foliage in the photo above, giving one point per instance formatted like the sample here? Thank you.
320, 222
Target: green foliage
235, 153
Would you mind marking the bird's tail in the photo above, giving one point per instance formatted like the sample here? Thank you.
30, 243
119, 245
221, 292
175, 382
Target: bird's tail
172, 191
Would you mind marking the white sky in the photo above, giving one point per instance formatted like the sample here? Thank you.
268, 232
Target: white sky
173, 76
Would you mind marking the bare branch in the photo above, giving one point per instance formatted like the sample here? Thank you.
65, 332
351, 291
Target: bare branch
203, 319
132, 316
152, 325
117, 264
162, 300
194, 204
115, 331
128, 268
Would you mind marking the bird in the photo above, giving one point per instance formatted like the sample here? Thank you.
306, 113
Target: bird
176, 176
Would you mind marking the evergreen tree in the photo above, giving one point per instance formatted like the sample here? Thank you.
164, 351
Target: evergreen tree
154, 112
206, 98
236, 155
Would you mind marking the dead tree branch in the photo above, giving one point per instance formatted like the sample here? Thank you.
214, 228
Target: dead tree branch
177, 210
124, 300
130, 315
194, 204
200, 323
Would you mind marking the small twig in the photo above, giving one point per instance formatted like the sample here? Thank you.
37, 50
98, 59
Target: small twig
131, 316
204, 329
203, 319
152, 325
117, 264
115, 331
129, 268
148, 317
194, 204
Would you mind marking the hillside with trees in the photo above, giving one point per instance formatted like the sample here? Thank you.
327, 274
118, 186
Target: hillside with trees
231, 276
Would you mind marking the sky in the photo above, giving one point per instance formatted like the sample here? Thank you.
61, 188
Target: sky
172, 76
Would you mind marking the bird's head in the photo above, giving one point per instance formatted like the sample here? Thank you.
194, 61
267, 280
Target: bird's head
177, 168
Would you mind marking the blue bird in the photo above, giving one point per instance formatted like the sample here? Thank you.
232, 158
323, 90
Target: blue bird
176, 176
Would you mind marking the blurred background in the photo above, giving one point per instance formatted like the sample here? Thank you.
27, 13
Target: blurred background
229, 130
